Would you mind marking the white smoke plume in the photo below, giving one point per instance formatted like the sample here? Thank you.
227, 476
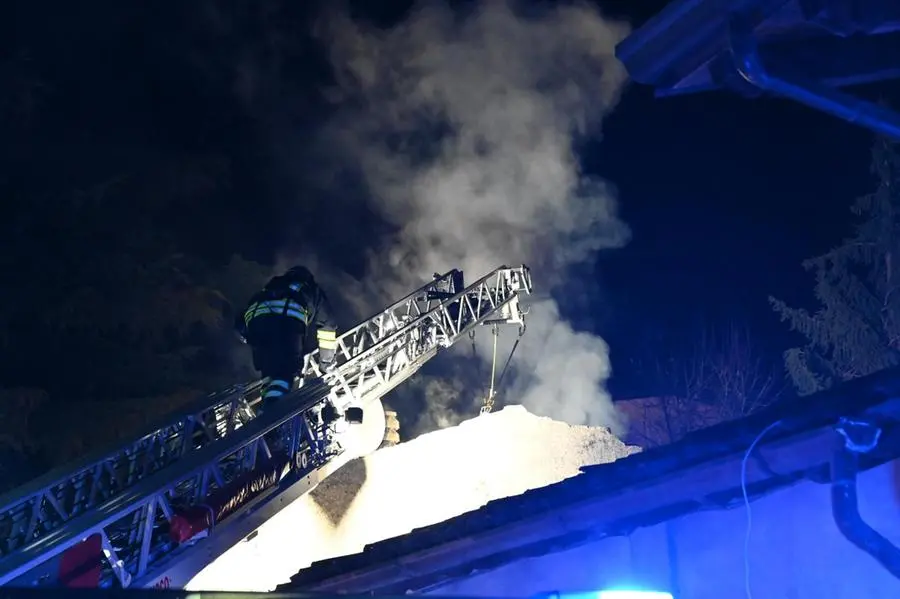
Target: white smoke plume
464, 127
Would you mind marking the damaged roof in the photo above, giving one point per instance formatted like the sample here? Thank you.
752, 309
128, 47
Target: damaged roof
701, 471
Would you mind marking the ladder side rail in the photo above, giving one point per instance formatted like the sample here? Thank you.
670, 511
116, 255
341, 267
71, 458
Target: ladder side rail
389, 379
43, 483
305, 454
405, 302
358, 363
490, 299
364, 395
352, 342
71, 490
311, 360
75, 488
468, 313
156, 486
176, 568
369, 333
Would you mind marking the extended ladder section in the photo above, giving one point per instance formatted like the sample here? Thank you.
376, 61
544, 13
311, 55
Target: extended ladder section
156, 511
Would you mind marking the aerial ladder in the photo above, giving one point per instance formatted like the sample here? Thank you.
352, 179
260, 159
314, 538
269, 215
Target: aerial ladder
154, 512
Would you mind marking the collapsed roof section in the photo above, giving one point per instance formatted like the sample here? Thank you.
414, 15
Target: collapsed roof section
803, 50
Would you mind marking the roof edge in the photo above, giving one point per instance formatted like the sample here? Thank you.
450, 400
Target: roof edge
657, 485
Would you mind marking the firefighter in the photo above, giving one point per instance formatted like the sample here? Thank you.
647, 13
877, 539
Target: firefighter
278, 325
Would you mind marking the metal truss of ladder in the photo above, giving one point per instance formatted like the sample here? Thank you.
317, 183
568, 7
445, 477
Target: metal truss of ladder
377, 355
128, 497
134, 527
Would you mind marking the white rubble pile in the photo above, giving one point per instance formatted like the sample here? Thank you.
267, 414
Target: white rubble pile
414, 484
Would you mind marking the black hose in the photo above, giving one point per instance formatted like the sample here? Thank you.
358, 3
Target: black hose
845, 510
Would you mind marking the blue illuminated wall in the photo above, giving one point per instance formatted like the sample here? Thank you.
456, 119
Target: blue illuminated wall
795, 552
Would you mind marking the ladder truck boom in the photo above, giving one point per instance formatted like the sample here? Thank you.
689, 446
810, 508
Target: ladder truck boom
154, 512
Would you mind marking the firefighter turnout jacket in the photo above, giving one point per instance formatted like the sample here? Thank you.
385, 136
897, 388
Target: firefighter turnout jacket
296, 296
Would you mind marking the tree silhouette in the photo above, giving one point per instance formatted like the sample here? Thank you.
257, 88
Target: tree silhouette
128, 162
109, 317
720, 375
855, 331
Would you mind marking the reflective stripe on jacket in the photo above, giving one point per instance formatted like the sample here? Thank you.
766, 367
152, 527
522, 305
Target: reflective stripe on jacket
283, 307
327, 339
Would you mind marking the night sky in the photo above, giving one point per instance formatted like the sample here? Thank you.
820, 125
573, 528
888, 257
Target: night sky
724, 196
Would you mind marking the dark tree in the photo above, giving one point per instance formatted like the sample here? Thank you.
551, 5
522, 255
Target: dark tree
718, 376
855, 331
127, 156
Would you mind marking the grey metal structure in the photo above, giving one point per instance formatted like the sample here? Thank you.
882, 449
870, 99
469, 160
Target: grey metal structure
129, 496
808, 51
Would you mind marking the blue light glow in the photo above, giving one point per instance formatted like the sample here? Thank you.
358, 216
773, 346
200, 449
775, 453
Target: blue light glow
609, 594
633, 595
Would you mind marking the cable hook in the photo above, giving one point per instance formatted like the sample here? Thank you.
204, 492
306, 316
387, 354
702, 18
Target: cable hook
488, 404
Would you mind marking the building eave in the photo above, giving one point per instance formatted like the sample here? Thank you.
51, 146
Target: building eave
701, 472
